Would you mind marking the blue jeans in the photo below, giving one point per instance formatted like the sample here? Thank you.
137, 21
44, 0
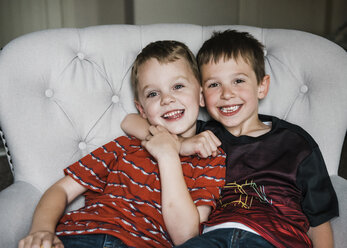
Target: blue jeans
91, 241
227, 238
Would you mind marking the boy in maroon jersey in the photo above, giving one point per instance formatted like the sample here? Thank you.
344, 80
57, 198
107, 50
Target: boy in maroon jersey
139, 194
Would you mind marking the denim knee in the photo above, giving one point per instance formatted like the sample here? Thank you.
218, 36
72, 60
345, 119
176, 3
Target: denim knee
227, 238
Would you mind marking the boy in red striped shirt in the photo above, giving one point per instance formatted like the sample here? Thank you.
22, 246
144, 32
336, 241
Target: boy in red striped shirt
140, 194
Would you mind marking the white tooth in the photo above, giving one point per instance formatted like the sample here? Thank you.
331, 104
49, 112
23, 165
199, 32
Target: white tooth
230, 109
172, 113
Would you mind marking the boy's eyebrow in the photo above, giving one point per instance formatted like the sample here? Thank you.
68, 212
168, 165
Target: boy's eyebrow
233, 75
182, 77
171, 80
149, 86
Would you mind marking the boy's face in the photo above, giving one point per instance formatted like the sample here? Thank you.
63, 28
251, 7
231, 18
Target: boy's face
231, 94
169, 95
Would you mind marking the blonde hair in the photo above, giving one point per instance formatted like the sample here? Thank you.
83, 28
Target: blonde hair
165, 51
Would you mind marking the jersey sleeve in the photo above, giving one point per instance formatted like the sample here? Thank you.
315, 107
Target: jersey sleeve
200, 126
92, 170
319, 202
209, 181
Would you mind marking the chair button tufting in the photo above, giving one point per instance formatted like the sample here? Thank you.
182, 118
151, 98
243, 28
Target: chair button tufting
49, 93
303, 89
80, 56
115, 99
82, 145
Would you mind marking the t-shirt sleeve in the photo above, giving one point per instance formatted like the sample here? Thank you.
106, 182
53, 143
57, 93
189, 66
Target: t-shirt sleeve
200, 126
319, 202
209, 181
92, 170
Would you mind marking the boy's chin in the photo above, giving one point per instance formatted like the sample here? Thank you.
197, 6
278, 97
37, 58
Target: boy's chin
183, 132
174, 130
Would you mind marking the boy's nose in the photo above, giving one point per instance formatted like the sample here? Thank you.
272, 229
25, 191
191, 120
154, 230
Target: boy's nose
167, 98
227, 93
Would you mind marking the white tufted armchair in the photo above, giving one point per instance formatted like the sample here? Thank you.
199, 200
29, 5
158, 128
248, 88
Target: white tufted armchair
64, 92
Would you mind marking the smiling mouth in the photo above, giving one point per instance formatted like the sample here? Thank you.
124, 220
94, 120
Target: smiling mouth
229, 110
173, 115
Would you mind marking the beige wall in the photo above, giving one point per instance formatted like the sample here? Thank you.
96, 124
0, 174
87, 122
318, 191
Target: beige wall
202, 12
322, 17
18, 17
306, 15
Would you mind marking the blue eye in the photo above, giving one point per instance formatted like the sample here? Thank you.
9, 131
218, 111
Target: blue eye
178, 86
213, 85
152, 94
238, 81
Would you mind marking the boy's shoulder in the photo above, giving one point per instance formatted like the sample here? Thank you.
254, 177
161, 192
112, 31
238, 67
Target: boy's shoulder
278, 125
212, 125
291, 127
127, 139
125, 143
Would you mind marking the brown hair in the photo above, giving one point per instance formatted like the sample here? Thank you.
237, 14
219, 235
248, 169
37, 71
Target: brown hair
231, 44
165, 51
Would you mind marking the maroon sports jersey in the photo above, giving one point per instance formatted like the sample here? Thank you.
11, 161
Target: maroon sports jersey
276, 184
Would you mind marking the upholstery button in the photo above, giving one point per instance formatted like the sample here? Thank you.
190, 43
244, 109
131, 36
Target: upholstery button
80, 56
49, 93
115, 99
303, 88
82, 145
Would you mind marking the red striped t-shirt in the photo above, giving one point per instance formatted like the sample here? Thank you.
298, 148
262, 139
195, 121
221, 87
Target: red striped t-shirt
124, 198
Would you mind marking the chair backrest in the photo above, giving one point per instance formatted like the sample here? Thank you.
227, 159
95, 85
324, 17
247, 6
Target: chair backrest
64, 92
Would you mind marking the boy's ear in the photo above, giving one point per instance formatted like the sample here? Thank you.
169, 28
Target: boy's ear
140, 109
202, 100
263, 87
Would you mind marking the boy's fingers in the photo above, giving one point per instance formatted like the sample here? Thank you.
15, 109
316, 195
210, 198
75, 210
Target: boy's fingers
210, 145
214, 138
214, 153
204, 150
153, 130
214, 143
47, 243
36, 242
161, 128
148, 137
57, 243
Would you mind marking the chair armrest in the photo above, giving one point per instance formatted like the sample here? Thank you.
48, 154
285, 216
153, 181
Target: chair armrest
17, 205
339, 224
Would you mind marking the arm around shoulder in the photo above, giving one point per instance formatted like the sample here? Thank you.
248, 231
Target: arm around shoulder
135, 125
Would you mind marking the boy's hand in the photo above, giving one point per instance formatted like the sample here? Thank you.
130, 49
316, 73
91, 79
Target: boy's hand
161, 143
41, 239
203, 144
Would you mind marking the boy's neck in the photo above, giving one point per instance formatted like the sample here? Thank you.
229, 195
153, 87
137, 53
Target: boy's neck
255, 130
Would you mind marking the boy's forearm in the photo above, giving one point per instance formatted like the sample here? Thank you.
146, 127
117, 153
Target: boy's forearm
322, 236
53, 203
135, 125
49, 210
180, 214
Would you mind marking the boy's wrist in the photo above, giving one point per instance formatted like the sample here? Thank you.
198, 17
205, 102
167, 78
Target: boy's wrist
168, 162
168, 156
